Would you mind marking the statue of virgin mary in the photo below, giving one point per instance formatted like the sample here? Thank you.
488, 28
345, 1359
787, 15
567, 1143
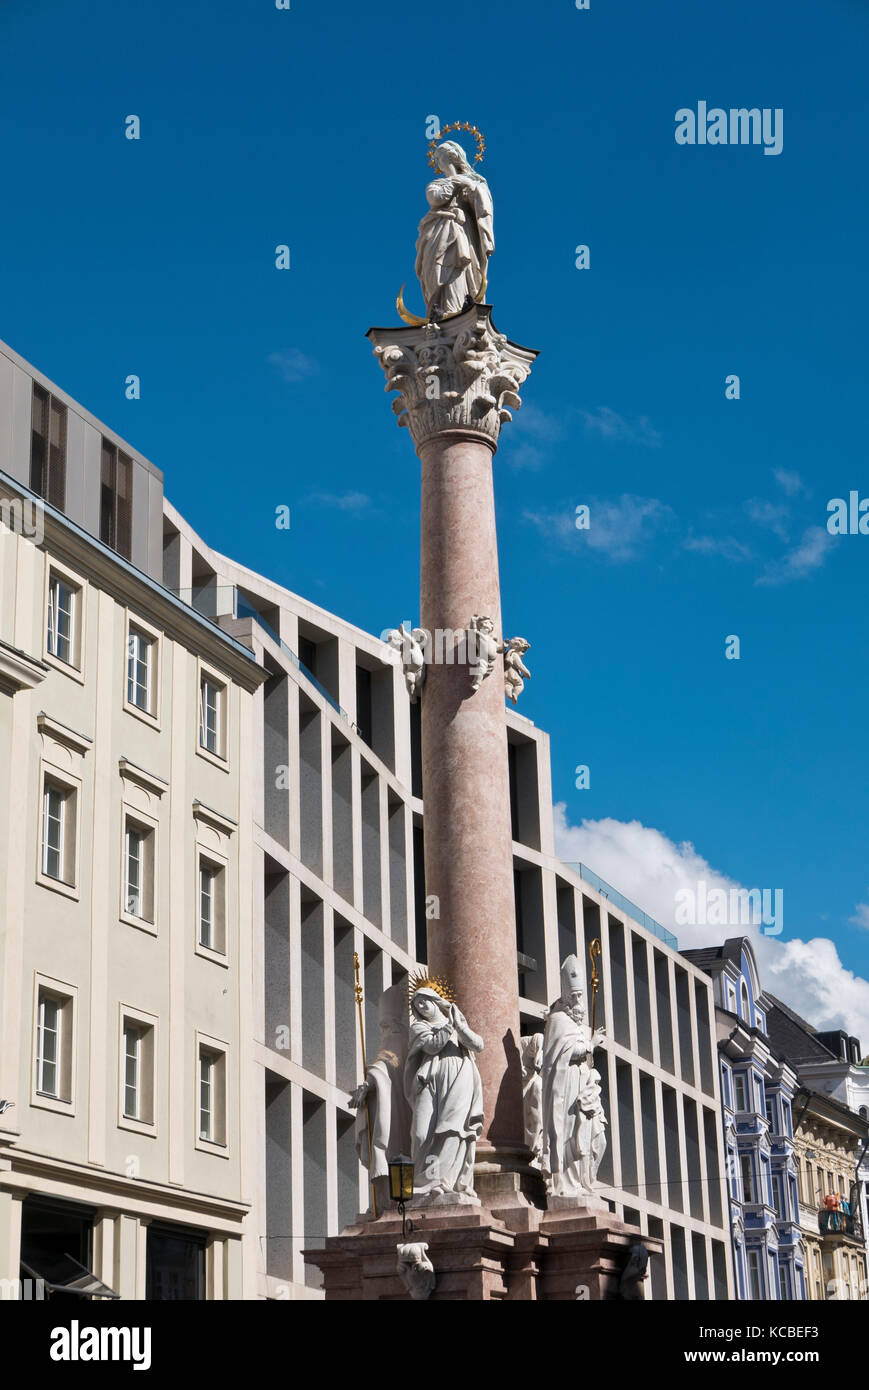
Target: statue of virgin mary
445, 1093
455, 237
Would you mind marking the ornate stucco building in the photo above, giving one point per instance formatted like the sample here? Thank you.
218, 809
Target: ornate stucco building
758, 1085
215, 800
831, 1141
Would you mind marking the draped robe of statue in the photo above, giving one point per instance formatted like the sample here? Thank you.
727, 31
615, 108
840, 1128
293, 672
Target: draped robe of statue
445, 1093
574, 1136
456, 236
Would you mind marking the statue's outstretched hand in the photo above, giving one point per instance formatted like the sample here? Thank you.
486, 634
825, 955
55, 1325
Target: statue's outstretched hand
359, 1095
598, 1036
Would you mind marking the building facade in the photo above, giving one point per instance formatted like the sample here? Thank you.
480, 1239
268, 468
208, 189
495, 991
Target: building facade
275, 791
757, 1088
125, 841
831, 1143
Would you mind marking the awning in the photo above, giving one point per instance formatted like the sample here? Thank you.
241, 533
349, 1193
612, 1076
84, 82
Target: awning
68, 1276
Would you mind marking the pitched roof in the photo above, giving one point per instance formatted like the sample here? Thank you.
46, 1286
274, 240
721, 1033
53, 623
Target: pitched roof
792, 1035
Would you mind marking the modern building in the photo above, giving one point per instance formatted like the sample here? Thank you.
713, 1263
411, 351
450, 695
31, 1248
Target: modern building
278, 777
758, 1084
831, 1142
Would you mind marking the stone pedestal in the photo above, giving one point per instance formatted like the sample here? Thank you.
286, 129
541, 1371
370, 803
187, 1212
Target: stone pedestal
480, 1256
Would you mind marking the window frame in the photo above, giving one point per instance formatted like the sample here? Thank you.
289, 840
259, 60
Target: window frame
62, 1103
218, 864
218, 1052
78, 585
207, 674
147, 1025
120, 459
148, 827
740, 1080
71, 788
50, 492
135, 623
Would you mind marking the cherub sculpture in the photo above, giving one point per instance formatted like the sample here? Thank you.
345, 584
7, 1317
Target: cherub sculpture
516, 673
411, 643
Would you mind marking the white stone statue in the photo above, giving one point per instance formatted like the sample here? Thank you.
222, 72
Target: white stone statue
383, 1090
516, 673
445, 1093
415, 1269
411, 644
574, 1134
483, 647
531, 1054
455, 237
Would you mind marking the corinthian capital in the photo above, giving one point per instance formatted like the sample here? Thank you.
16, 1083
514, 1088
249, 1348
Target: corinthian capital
456, 374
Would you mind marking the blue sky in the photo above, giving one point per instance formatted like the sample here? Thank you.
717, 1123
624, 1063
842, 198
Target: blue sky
307, 127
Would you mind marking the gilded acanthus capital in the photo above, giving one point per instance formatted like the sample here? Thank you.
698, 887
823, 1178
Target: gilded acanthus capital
454, 374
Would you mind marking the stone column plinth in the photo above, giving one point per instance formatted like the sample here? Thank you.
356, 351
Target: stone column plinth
454, 382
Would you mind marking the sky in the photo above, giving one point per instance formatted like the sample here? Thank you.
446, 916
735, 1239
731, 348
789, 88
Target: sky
306, 127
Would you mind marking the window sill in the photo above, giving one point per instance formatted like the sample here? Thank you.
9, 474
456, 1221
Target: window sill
57, 885
140, 923
143, 1127
59, 1107
215, 758
65, 667
152, 720
211, 1146
218, 957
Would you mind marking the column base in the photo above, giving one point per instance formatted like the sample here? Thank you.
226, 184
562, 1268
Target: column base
519, 1254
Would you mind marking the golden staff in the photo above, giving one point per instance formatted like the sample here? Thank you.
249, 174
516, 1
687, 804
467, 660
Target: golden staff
365, 1077
594, 955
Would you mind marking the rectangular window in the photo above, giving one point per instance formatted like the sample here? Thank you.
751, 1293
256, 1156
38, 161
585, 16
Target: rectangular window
770, 1113
140, 674
132, 1071
211, 1096
48, 447
54, 825
778, 1196
212, 716
62, 638
207, 1069
739, 1091
748, 1194
48, 1045
755, 1276
207, 903
212, 911
138, 870
784, 1275
116, 491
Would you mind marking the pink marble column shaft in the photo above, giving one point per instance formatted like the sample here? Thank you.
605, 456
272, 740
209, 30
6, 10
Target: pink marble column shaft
468, 854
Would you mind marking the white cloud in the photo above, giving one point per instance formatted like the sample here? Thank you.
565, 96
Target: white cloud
650, 870
808, 555
621, 529
861, 916
791, 483
774, 515
293, 365
342, 502
728, 546
610, 425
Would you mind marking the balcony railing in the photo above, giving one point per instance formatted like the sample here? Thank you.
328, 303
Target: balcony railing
840, 1223
624, 904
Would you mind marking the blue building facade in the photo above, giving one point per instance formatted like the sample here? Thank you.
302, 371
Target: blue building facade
757, 1090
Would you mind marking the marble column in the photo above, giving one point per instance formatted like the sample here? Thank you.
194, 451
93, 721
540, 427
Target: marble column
455, 382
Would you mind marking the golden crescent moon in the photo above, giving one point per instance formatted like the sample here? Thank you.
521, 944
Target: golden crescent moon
413, 319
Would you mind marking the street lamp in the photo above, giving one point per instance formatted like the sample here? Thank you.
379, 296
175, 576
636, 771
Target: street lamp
401, 1187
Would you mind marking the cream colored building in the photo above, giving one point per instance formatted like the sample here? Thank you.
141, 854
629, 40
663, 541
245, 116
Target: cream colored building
126, 725
827, 1145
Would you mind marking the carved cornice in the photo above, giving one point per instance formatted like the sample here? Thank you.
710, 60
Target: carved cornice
458, 374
